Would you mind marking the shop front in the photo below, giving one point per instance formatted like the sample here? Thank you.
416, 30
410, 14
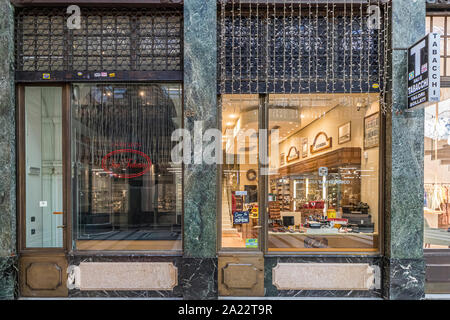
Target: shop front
301, 174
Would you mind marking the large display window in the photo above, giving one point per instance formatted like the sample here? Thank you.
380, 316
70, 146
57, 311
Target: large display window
303, 167
127, 193
323, 183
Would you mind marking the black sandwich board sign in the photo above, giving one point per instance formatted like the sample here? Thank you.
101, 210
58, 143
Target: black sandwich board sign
424, 75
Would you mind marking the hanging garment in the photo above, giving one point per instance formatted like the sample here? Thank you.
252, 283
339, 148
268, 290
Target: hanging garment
436, 198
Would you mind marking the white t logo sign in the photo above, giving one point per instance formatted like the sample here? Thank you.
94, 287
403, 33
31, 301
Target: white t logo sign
416, 51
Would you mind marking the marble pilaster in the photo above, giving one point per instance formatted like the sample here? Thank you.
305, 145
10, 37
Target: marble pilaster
404, 270
200, 105
7, 153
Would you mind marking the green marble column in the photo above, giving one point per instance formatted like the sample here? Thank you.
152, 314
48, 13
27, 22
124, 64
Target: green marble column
7, 153
404, 265
200, 105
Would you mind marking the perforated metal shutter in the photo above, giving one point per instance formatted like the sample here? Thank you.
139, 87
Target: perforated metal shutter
113, 39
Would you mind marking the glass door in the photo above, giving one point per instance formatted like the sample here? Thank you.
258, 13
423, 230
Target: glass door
43, 172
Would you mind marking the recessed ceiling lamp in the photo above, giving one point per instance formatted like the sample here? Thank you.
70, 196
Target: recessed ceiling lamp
233, 116
229, 124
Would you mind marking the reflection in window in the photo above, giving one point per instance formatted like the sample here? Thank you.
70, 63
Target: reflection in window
125, 186
437, 174
324, 172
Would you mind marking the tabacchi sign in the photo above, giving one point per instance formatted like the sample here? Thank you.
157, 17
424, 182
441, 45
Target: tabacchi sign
424, 75
126, 163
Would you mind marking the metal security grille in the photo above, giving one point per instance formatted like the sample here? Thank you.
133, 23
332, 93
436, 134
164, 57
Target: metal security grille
306, 46
110, 39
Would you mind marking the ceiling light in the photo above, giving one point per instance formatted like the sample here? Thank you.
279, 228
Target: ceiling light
229, 124
233, 116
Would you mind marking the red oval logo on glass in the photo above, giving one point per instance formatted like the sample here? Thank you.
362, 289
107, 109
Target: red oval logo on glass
126, 163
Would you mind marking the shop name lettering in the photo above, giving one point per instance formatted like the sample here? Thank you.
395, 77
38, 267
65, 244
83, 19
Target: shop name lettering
127, 164
130, 160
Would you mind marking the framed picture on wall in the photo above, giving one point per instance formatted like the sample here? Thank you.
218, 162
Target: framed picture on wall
293, 154
282, 157
345, 133
371, 131
304, 147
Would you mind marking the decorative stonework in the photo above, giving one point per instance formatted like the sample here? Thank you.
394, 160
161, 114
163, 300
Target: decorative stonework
127, 276
323, 276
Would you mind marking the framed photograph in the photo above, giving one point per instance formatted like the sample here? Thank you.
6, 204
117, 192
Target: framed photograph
371, 131
282, 157
345, 133
304, 147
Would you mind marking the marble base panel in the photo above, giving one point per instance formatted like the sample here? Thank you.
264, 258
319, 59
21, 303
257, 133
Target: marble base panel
154, 276
404, 279
271, 290
177, 292
324, 276
8, 278
196, 280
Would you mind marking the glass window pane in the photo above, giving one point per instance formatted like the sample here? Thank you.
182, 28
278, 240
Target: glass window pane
448, 26
437, 174
439, 25
43, 165
240, 214
324, 172
448, 67
442, 67
447, 40
127, 191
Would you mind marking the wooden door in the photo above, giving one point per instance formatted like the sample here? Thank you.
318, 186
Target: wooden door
43, 160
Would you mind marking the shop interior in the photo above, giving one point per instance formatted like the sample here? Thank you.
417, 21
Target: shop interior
323, 175
437, 174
